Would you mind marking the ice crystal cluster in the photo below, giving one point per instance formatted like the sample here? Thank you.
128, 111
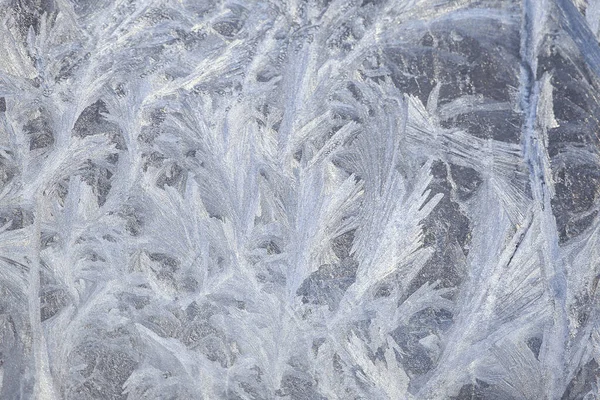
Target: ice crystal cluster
299, 199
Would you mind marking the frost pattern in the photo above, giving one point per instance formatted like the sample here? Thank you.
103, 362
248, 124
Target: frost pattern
307, 200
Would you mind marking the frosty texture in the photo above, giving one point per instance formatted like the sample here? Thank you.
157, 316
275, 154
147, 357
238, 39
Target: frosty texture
302, 200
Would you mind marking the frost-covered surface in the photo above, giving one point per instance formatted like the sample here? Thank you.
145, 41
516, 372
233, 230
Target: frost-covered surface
305, 200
